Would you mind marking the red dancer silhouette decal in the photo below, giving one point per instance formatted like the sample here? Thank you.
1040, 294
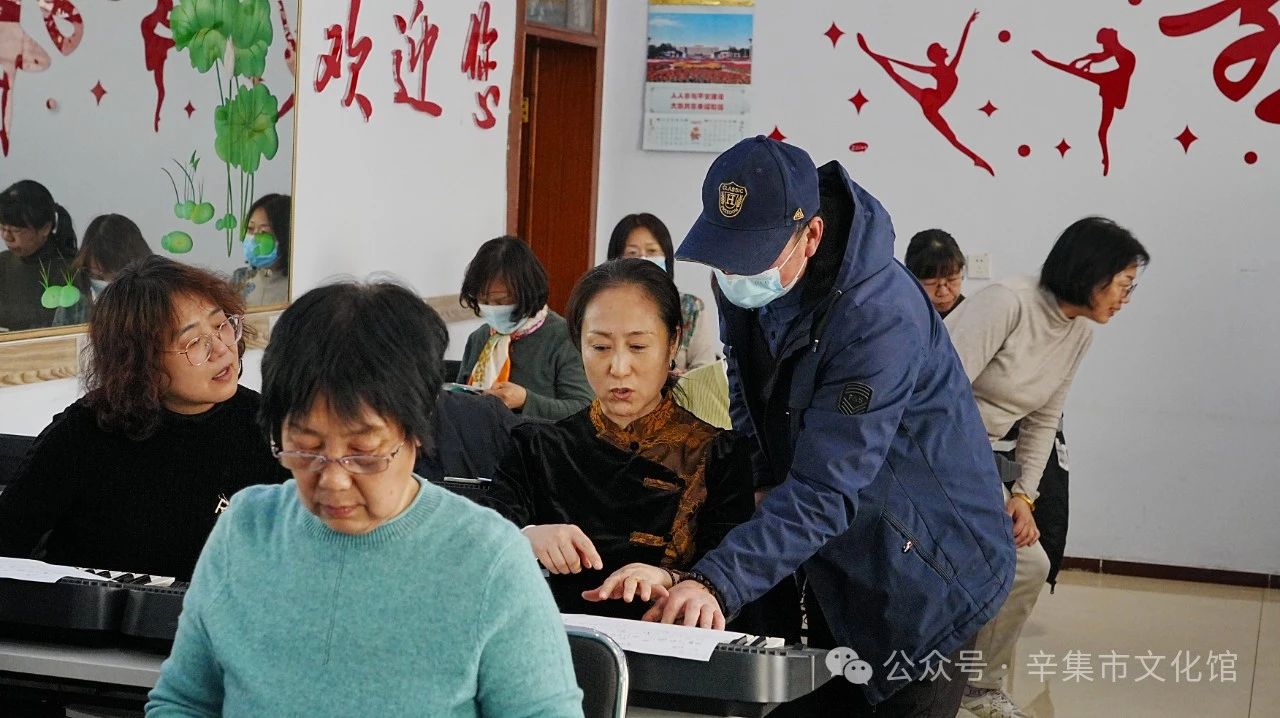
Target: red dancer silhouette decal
156, 49
19, 51
1255, 49
932, 99
1113, 85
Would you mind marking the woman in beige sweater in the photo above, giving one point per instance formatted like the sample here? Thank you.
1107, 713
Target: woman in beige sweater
1021, 341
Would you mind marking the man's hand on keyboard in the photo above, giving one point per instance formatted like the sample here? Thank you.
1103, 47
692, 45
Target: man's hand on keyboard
689, 603
562, 548
634, 579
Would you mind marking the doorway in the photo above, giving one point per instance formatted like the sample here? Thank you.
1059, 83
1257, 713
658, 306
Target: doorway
556, 137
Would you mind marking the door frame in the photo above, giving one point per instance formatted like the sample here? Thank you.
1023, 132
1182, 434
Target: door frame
515, 111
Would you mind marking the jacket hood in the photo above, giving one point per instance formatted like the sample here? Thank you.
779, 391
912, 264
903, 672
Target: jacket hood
870, 237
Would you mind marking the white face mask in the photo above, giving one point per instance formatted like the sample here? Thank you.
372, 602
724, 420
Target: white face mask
96, 286
657, 259
498, 316
755, 291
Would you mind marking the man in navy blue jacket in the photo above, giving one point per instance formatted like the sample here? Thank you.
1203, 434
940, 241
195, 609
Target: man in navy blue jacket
878, 479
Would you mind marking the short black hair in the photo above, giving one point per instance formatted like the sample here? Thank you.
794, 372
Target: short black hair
934, 254
625, 226
1088, 255
374, 346
513, 260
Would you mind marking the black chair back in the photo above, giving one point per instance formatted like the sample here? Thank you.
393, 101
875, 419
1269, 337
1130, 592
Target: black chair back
601, 668
451, 369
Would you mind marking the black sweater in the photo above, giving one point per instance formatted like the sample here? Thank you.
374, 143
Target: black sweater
142, 506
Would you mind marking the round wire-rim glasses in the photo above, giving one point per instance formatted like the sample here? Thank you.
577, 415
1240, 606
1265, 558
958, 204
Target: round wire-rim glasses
198, 350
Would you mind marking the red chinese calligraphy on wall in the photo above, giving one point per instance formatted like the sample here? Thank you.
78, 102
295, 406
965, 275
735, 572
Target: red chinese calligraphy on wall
1255, 48
477, 63
420, 34
345, 44
19, 51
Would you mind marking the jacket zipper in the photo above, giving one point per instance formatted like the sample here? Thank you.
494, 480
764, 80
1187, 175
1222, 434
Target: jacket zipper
913, 544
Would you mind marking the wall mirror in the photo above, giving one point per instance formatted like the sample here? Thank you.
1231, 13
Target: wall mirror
161, 126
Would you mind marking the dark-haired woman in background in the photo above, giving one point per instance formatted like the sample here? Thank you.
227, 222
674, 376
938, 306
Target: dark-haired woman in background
111, 241
618, 498
132, 476
522, 353
647, 237
1021, 341
936, 260
266, 279
39, 243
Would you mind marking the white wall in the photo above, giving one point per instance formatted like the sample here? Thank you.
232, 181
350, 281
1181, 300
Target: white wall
1172, 420
404, 193
100, 158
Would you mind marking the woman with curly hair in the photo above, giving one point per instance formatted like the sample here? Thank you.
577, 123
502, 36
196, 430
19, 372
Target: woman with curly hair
133, 475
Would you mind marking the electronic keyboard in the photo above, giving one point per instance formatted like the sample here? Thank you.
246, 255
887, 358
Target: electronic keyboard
748, 677
141, 609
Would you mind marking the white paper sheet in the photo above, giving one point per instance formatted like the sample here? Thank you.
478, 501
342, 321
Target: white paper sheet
23, 569
659, 639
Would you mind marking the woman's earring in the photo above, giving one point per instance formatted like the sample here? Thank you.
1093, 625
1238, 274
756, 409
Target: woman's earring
673, 365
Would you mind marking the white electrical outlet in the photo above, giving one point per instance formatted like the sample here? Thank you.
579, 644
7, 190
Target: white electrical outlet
978, 266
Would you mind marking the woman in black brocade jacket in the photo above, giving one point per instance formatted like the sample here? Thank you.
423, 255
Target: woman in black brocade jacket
618, 499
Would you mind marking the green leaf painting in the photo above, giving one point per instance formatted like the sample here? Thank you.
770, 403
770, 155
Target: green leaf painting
244, 122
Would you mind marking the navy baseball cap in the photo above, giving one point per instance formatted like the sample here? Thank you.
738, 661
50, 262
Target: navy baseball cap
752, 198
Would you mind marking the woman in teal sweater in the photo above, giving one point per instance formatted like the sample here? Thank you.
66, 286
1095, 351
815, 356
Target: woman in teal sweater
357, 588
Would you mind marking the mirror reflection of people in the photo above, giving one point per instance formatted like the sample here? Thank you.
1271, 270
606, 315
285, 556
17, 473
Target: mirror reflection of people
266, 279
1021, 342
111, 241
620, 497
39, 245
132, 476
358, 588
647, 237
522, 353
937, 262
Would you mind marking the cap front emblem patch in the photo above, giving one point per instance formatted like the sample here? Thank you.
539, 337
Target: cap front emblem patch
732, 197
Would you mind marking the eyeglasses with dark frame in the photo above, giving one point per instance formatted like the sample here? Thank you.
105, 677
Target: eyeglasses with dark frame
934, 283
198, 350
357, 464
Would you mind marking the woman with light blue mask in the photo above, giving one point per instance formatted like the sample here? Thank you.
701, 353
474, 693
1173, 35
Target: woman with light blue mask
645, 236
522, 353
265, 281
111, 242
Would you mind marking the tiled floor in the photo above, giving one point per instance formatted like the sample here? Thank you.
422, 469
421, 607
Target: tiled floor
1173, 626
